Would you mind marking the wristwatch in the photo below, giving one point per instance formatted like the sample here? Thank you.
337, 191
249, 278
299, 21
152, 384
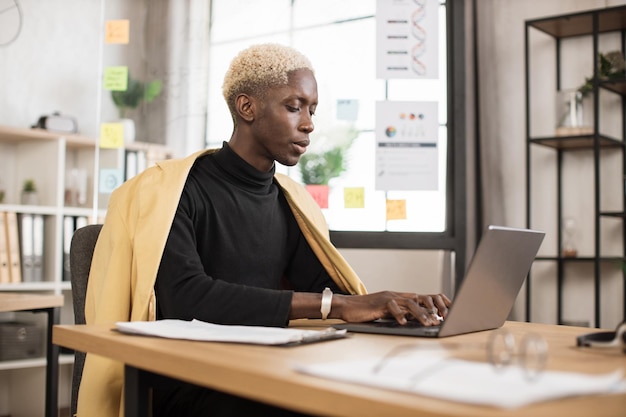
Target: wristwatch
327, 299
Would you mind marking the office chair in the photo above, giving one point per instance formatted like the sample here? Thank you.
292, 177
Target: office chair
81, 251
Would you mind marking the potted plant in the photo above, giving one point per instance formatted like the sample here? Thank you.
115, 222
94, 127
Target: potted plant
29, 194
136, 92
611, 66
570, 109
320, 168
326, 159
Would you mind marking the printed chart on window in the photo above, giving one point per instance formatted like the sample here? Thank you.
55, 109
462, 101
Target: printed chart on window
406, 39
406, 146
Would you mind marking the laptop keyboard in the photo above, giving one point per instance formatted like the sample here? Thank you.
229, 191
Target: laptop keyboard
411, 324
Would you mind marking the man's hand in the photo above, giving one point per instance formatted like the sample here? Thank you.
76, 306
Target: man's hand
388, 304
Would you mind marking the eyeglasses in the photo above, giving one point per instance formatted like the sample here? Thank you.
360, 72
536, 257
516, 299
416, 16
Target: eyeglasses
530, 352
502, 351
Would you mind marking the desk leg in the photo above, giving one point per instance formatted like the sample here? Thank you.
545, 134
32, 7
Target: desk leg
136, 392
52, 366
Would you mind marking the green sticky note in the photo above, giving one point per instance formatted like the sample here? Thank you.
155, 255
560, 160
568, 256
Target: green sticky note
116, 78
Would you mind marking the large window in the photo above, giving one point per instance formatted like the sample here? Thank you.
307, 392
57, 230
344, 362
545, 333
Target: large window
339, 37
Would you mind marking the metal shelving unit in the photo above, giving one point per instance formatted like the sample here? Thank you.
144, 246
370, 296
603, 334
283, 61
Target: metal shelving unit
594, 24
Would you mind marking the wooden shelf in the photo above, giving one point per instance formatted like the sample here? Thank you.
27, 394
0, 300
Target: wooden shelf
619, 214
617, 85
579, 24
579, 258
64, 359
578, 142
17, 134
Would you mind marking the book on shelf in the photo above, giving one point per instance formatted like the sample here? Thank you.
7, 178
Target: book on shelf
32, 246
131, 165
13, 241
81, 221
5, 274
135, 163
68, 231
70, 225
28, 257
38, 246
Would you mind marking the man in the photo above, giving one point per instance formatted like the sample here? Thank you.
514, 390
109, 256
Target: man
219, 237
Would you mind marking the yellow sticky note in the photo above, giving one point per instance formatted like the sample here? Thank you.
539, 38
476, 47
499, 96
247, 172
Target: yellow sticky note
354, 197
116, 78
111, 135
116, 31
396, 209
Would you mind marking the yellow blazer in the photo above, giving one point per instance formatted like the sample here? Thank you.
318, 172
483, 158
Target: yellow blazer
127, 257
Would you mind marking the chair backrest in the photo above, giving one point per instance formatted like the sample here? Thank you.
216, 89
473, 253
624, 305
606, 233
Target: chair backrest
81, 251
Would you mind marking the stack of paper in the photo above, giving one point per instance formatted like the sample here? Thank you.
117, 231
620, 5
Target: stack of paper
208, 332
437, 375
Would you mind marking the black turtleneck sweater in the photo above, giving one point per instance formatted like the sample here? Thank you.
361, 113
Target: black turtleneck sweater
233, 247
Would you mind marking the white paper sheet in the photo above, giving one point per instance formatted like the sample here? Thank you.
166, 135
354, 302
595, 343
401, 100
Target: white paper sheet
209, 332
442, 377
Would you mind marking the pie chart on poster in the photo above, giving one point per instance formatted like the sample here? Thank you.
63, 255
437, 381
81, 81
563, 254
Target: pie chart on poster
390, 131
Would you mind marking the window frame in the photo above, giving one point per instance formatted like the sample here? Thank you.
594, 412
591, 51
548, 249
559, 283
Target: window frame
453, 238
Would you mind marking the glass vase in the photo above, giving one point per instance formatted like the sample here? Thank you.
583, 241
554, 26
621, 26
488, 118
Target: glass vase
570, 112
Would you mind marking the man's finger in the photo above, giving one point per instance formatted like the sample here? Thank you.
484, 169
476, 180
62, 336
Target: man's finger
424, 315
426, 301
395, 310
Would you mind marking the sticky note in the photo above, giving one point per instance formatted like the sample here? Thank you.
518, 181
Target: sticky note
354, 197
116, 31
110, 179
347, 109
115, 78
319, 194
111, 135
396, 209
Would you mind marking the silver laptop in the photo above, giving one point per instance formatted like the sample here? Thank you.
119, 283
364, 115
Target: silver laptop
486, 296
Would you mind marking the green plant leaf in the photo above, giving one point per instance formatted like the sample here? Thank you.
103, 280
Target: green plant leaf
29, 185
135, 93
610, 66
320, 168
153, 89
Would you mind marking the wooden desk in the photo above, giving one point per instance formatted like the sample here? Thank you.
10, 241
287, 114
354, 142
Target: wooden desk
50, 304
266, 373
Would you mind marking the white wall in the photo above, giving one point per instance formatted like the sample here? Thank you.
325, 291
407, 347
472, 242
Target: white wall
53, 64
56, 62
398, 270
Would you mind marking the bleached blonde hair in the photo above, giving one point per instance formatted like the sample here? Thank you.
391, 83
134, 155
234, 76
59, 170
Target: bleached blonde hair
259, 67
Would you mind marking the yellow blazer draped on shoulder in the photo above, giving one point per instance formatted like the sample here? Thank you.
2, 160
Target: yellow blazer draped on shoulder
127, 257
